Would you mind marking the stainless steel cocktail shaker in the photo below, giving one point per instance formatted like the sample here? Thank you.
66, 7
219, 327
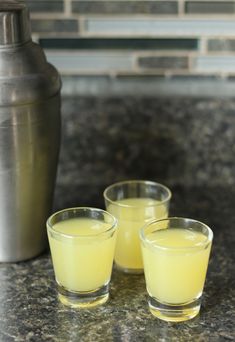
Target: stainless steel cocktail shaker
29, 136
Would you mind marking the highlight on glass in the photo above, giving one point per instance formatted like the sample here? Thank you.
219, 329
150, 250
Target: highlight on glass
175, 255
82, 243
134, 203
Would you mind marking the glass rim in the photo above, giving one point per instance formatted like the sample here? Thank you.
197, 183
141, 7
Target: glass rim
77, 236
167, 199
200, 245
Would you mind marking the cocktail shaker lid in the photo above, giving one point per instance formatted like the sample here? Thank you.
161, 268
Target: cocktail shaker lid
14, 23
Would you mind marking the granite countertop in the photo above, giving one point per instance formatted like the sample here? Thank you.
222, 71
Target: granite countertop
29, 308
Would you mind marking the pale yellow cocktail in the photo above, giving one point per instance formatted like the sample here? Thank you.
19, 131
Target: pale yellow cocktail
82, 264
175, 266
133, 214
134, 203
82, 250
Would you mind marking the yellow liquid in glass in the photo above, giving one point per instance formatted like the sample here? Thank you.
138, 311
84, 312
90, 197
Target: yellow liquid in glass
132, 214
82, 263
175, 274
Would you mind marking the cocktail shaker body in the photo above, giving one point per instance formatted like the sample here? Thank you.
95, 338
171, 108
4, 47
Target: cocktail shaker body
29, 136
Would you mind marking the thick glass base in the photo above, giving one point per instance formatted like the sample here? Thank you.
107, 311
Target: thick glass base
84, 300
129, 270
174, 313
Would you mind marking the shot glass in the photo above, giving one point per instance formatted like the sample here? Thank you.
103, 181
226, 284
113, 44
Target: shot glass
175, 254
82, 243
134, 203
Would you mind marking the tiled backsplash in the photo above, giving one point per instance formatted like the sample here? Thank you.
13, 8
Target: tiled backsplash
136, 38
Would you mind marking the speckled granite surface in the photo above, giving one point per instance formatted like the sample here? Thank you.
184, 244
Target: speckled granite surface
203, 188
172, 140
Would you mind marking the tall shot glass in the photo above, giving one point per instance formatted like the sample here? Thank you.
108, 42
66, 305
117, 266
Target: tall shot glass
175, 254
82, 243
134, 203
